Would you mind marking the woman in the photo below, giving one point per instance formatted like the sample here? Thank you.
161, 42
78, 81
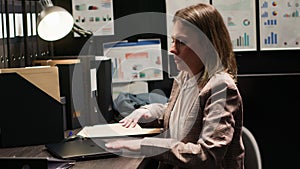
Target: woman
204, 116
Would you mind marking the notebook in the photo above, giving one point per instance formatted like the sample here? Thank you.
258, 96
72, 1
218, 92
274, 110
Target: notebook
81, 149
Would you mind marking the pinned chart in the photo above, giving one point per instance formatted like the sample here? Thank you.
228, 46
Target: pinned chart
239, 16
279, 25
94, 15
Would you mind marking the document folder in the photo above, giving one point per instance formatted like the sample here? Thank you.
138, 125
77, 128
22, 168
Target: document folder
29, 115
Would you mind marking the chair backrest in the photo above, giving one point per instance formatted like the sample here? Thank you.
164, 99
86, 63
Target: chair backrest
252, 153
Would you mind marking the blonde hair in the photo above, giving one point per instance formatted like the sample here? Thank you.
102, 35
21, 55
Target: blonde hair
206, 18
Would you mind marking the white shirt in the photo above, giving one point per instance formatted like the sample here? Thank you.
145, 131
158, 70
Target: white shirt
188, 94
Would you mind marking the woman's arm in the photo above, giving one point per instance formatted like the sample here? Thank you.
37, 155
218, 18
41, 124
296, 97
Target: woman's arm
148, 115
216, 134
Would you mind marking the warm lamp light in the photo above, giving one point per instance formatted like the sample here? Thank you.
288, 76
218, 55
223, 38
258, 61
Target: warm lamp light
54, 22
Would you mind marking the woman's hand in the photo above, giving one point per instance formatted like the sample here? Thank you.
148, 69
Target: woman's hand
133, 118
133, 145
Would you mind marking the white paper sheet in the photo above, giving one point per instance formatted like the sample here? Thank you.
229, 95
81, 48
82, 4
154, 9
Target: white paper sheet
115, 130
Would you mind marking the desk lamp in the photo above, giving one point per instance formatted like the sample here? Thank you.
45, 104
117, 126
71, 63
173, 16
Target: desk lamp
55, 22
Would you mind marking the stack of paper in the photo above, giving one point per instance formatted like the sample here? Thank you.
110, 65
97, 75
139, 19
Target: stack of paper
115, 130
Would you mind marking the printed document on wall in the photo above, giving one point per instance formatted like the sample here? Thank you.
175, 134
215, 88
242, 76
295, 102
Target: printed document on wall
94, 15
240, 19
279, 25
135, 61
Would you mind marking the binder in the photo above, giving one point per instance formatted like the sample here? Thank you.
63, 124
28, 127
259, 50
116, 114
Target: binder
17, 52
5, 39
43, 47
2, 53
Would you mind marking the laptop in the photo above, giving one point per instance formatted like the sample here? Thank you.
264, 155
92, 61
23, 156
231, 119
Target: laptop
81, 149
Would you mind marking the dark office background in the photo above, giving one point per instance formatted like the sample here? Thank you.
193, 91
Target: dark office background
270, 101
268, 81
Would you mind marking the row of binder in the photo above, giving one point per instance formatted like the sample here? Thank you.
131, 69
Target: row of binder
19, 43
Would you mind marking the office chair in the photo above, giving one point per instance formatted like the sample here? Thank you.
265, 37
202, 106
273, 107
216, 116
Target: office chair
252, 153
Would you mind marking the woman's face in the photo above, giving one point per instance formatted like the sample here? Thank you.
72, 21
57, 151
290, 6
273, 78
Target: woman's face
184, 46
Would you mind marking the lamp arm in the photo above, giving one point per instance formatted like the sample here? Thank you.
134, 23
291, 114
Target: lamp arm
80, 31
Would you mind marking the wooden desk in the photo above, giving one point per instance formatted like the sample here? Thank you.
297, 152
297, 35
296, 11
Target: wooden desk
40, 151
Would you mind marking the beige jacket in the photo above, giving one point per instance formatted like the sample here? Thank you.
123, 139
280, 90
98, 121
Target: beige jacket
213, 139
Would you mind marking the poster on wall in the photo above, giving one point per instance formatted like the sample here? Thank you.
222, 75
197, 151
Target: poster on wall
171, 7
279, 24
94, 15
240, 19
